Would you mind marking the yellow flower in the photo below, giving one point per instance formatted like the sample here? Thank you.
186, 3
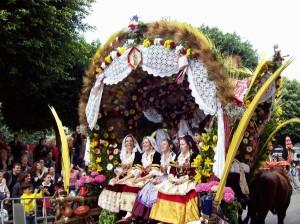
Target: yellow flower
167, 43
97, 70
92, 145
105, 135
205, 148
279, 111
188, 52
215, 139
205, 173
134, 98
121, 50
115, 162
198, 177
108, 59
146, 43
105, 143
132, 111
98, 160
95, 135
197, 161
99, 168
208, 162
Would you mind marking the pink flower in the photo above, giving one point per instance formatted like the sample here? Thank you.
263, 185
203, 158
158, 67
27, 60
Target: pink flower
91, 180
94, 173
100, 179
228, 197
203, 187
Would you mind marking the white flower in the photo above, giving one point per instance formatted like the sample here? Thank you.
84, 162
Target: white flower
249, 149
113, 54
246, 134
109, 166
103, 65
157, 41
214, 188
96, 127
130, 41
245, 141
178, 48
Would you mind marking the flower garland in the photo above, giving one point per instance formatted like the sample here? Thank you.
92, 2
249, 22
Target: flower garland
136, 38
104, 153
204, 161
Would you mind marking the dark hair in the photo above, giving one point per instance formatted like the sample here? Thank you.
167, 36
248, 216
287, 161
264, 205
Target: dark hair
26, 186
191, 143
23, 176
196, 130
16, 164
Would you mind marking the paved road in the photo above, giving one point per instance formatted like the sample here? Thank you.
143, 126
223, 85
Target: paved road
293, 212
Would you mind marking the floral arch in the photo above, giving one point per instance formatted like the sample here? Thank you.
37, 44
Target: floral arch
160, 71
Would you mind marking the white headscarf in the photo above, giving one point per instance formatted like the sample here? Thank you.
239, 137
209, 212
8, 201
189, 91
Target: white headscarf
184, 128
160, 135
152, 142
136, 147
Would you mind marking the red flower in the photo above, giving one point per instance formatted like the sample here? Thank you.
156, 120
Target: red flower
172, 45
132, 27
183, 51
162, 42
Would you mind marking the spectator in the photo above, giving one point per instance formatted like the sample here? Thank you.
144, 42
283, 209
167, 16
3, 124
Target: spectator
41, 150
28, 200
17, 148
56, 153
4, 159
37, 174
54, 176
295, 177
47, 185
24, 178
25, 163
49, 160
45, 169
74, 176
12, 176
4, 192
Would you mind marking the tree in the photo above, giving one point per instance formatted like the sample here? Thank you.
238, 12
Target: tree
291, 109
232, 44
42, 59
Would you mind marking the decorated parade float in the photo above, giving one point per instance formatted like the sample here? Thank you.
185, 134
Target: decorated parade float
166, 79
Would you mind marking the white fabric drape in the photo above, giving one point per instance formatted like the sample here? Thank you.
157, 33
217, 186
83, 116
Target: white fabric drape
87, 151
157, 61
93, 105
219, 158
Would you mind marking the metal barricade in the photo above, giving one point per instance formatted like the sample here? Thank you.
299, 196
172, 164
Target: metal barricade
14, 207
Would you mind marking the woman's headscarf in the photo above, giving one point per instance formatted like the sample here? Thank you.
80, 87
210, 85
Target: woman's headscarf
136, 147
152, 142
184, 128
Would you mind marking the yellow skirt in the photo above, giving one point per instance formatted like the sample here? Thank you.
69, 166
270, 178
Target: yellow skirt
176, 209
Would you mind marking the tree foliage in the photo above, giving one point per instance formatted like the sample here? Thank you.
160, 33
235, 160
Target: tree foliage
232, 44
42, 59
291, 109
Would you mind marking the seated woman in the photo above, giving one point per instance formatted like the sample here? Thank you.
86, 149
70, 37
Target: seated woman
144, 170
148, 195
109, 198
177, 200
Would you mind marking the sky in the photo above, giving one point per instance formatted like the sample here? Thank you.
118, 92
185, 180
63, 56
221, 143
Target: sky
262, 23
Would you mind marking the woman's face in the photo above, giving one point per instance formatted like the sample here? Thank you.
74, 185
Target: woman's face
164, 146
51, 170
146, 145
184, 147
129, 143
38, 166
28, 178
24, 160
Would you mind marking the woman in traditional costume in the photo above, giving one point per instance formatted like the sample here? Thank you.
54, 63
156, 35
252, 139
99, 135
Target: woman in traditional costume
148, 195
139, 175
177, 200
130, 154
